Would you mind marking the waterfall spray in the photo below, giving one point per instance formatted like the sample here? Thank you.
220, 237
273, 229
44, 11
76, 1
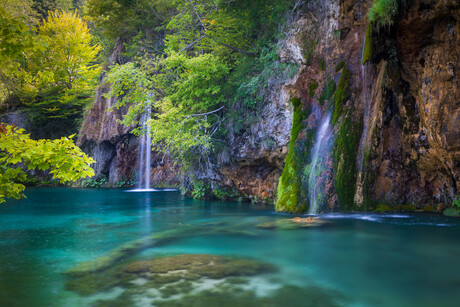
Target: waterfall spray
321, 150
145, 153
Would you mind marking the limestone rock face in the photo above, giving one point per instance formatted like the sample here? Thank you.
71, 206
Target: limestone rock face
415, 114
405, 100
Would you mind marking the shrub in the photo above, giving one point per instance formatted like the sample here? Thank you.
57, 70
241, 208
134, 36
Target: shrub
382, 208
95, 182
382, 12
312, 86
341, 94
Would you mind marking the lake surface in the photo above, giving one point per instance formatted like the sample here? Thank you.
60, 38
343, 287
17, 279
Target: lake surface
81, 247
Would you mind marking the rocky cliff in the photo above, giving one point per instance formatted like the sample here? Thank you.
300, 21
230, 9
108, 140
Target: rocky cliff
393, 98
395, 106
112, 145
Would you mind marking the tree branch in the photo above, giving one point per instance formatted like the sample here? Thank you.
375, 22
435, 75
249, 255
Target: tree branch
202, 114
229, 46
192, 43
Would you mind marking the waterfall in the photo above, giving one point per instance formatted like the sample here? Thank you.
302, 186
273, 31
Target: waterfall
366, 113
316, 180
145, 152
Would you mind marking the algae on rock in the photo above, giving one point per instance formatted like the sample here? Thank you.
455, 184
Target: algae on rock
367, 47
345, 153
289, 185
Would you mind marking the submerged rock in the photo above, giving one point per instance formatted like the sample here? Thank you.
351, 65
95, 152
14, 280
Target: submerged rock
133, 247
194, 266
309, 220
166, 277
230, 295
454, 212
295, 223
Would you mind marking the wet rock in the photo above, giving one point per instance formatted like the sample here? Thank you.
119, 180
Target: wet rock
308, 220
292, 224
198, 265
453, 212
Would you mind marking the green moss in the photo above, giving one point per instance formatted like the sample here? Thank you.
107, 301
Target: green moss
382, 208
322, 64
312, 86
224, 193
428, 208
382, 12
453, 212
289, 224
91, 284
309, 48
199, 265
367, 47
368, 179
456, 202
341, 94
183, 287
113, 257
287, 295
289, 182
328, 91
339, 66
345, 152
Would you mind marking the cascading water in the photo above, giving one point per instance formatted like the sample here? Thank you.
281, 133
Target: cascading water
145, 152
367, 103
318, 167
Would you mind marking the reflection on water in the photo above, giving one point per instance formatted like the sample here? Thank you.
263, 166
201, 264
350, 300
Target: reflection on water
72, 247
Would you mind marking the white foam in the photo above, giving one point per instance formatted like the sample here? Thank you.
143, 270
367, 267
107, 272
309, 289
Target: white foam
143, 190
152, 190
385, 219
397, 216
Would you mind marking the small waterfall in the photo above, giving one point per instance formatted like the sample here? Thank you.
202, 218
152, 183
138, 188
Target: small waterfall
366, 106
145, 152
316, 179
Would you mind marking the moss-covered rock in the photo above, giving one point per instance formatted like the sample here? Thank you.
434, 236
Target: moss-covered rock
114, 256
382, 208
453, 212
339, 66
177, 288
312, 86
91, 284
289, 183
367, 46
345, 168
287, 295
292, 224
341, 94
328, 91
198, 265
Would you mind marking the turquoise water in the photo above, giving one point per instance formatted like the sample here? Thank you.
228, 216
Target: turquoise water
356, 259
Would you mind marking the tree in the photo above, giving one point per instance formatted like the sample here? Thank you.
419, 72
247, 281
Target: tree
44, 6
16, 40
122, 18
64, 66
62, 157
52, 70
185, 92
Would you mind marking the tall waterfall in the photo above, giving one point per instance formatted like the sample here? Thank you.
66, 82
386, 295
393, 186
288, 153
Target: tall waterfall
145, 152
318, 166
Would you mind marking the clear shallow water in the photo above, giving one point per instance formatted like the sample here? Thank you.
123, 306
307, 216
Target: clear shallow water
360, 260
